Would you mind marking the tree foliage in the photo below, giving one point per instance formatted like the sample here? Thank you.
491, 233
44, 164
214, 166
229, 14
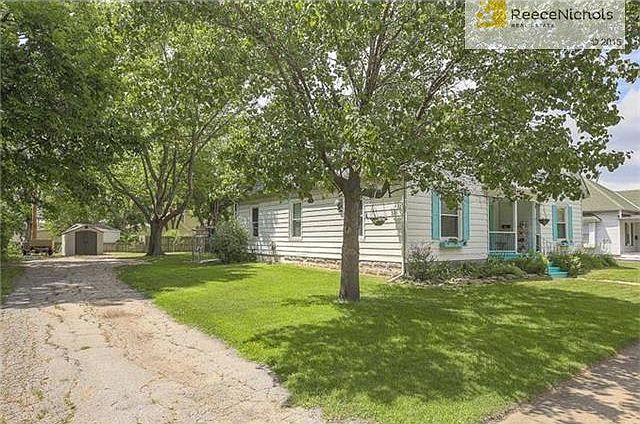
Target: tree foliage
55, 82
360, 95
355, 97
219, 182
181, 80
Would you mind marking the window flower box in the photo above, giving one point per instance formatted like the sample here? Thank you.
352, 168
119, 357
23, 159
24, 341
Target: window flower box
452, 244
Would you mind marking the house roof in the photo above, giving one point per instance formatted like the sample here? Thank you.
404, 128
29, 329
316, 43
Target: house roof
591, 218
602, 199
76, 227
631, 195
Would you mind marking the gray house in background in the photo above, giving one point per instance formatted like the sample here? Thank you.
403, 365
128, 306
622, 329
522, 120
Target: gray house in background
611, 220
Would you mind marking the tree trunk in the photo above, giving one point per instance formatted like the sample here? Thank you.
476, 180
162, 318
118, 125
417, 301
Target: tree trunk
350, 262
155, 238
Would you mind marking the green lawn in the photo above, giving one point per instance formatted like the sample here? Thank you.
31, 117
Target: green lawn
626, 271
404, 354
9, 271
126, 255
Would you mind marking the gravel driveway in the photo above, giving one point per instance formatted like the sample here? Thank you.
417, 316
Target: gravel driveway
78, 346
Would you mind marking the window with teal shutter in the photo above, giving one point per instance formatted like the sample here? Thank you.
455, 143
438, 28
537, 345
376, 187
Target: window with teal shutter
435, 216
570, 224
466, 218
554, 221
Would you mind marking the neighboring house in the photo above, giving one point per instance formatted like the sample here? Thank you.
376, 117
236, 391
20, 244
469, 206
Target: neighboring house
109, 234
181, 226
611, 220
482, 225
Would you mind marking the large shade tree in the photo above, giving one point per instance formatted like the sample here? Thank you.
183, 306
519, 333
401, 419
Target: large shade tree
219, 182
55, 80
181, 79
357, 96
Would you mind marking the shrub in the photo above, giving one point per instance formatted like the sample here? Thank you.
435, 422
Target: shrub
422, 266
532, 263
595, 261
231, 241
609, 260
581, 262
495, 267
568, 262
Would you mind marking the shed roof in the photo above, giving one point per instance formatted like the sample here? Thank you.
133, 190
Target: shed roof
76, 227
105, 227
602, 199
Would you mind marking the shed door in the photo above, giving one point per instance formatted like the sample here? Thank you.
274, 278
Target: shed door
86, 243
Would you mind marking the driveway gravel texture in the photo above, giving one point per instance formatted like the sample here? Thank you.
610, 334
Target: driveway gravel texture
78, 346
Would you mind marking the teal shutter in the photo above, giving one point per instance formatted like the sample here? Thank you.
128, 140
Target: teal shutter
435, 216
491, 203
466, 218
554, 221
569, 212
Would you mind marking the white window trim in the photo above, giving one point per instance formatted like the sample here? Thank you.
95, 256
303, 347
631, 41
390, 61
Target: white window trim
258, 222
363, 220
458, 214
557, 224
291, 236
592, 234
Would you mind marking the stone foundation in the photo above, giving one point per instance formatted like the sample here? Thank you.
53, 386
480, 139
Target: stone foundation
387, 269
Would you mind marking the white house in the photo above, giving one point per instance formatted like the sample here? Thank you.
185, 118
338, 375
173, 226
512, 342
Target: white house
482, 225
109, 234
611, 220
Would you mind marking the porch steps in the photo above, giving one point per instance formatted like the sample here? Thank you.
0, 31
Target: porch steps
556, 272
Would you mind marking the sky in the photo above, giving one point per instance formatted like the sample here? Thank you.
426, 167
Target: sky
626, 136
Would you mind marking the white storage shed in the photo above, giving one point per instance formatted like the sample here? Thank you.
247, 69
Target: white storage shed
83, 239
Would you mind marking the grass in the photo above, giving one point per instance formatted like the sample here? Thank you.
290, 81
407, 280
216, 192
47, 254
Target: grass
126, 255
404, 354
626, 271
9, 271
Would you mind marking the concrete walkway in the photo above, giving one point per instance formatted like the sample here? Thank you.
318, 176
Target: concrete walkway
607, 393
634, 257
78, 346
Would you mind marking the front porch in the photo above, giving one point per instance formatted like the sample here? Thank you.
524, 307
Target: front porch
514, 227
630, 235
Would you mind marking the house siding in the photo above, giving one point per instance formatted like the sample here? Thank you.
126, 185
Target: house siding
419, 228
608, 235
322, 227
546, 231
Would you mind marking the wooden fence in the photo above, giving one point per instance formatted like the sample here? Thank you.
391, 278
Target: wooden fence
169, 244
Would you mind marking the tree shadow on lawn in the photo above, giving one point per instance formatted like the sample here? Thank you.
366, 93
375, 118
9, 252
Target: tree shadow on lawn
507, 342
169, 277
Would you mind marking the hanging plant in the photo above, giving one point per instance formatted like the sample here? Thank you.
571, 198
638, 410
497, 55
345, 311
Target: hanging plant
378, 220
543, 221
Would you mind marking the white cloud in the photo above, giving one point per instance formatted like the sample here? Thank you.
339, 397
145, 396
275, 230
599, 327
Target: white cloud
626, 136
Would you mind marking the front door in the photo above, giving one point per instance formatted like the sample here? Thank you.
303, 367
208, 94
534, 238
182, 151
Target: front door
86, 243
631, 241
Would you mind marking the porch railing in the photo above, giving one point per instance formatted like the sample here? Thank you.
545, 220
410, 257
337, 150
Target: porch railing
502, 241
